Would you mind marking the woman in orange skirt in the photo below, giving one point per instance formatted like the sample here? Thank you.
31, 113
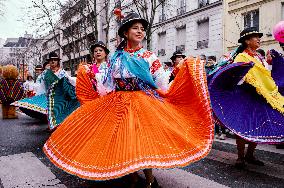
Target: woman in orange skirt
90, 76
136, 125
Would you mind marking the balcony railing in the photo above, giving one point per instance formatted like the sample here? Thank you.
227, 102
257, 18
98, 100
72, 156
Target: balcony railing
202, 3
162, 18
161, 52
180, 48
117, 4
202, 44
181, 10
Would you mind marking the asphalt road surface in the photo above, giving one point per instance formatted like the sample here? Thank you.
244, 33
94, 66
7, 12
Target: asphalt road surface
23, 164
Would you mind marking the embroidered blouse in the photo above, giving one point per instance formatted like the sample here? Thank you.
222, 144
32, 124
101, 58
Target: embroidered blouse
97, 74
123, 79
40, 87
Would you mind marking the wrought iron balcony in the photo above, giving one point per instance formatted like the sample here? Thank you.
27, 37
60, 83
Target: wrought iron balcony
202, 3
180, 48
202, 44
162, 18
161, 52
181, 10
117, 4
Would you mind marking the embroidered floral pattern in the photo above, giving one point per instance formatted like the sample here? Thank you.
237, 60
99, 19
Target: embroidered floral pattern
147, 54
128, 84
155, 66
93, 76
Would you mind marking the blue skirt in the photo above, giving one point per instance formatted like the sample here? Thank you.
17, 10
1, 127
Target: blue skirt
241, 109
36, 105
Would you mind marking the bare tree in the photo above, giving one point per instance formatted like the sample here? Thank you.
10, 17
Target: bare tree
34, 53
77, 18
2, 7
147, 9
47, 18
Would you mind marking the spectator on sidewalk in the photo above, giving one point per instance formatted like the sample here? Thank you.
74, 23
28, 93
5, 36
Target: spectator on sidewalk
176, 58
209, 66
210, 63
10, 90
29, 86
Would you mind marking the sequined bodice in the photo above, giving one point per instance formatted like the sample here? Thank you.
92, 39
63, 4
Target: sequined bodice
127, 84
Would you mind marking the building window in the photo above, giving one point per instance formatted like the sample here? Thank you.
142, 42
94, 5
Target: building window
162, 44
162, 17
182, 7
282, 11
203, 34
180, 48
251, 19
180, 39
117, 4
202, 3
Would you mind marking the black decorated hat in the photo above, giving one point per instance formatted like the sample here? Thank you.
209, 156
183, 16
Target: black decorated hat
38, 67
248, 32
128, 20
52, 55
99, 44
176, 54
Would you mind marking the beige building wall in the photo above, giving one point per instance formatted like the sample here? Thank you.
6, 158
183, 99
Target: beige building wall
212, 12
179, 25
270, 13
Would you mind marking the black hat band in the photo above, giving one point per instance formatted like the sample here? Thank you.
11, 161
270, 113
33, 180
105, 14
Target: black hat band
250, 33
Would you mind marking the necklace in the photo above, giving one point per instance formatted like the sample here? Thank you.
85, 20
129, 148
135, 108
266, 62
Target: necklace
254, 54
130, 50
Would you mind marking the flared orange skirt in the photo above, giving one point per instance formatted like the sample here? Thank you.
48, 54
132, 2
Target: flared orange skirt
126, 131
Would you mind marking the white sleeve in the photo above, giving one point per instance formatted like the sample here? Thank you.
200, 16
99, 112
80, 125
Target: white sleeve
103, 87
267, 66
71, 79
39, 86
160, 76
25, 86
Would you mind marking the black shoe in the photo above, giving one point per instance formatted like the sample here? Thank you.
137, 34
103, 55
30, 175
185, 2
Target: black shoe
140, 183
240, 163
153, 185
254, 161
280, 146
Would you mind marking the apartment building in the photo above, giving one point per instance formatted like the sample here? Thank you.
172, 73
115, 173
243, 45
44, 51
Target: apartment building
14, 52
193, 27
79, 26
263, 14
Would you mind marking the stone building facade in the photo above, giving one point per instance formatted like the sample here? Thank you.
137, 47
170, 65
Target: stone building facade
263, 14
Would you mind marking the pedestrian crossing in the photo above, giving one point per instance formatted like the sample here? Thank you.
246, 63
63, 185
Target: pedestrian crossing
26, 170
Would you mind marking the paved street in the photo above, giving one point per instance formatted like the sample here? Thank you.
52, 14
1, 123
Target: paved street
23, 164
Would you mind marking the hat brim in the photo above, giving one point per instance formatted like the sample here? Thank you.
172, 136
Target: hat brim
168, 64
98, 45
243, 38
174, 56
53, 58
128, 23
